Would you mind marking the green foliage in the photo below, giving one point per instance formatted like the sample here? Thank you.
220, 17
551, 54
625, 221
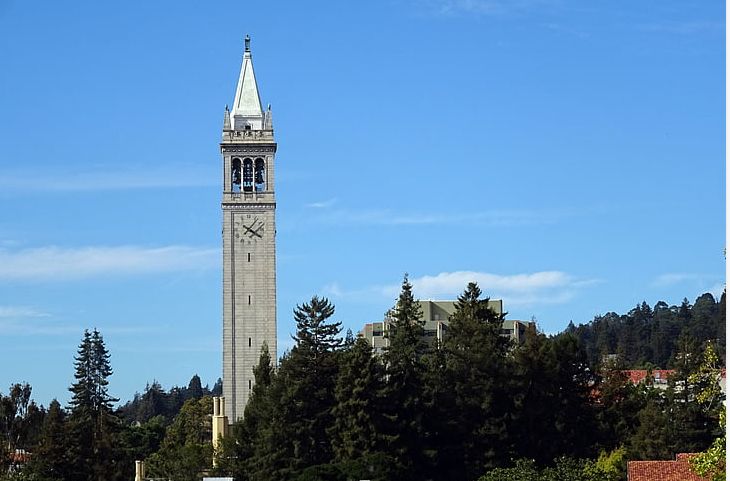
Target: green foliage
712, 462
473, 399
646, 336
405, 407
91, 426
607, 468
457, 410
355, 430
155, 401
551, 391
186, 451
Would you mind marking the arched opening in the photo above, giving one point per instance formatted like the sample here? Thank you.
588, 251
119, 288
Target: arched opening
247, 175
260, 175
236, 175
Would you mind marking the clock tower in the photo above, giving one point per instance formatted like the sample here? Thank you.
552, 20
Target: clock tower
249, 239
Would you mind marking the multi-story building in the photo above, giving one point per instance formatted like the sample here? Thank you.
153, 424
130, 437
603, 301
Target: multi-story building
436, 316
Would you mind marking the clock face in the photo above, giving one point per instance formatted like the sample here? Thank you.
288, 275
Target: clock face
249, 228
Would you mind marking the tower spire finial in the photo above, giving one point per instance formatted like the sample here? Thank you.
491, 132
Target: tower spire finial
247, 40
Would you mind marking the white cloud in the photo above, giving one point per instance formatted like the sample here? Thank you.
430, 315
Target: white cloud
20, 312
134, 178
55, 263
322, 204
493, 218
487, 7
672, 279
517, 290
450, 282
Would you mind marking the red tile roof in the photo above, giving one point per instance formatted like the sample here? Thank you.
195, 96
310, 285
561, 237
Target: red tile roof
678, 470
638, 375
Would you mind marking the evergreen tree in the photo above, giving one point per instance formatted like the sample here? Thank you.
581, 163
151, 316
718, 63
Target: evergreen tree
186, 451
405, 405
617, 412
474, 406
302, 398
551, 392
356, 413
195, 388
50, 460
236, 455
91, 424
652, 439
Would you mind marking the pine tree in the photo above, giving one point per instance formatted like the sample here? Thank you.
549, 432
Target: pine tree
476, 407
301, 398
186, 451
91, 423
236, 456
355, 429
50, 460
404, 393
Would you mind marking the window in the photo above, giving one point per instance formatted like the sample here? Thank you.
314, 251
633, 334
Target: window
236, 175
260, 175
247, 175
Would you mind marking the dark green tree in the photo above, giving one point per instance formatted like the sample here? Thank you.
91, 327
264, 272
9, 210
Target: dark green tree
652, 439
618, 407
187, 449
474, 406
405, 404
552, 412
302, 398
357, 408
91, 424
195, 388
50, 460
235, 456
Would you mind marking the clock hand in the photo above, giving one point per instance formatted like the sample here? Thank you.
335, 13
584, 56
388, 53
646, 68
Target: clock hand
252, 231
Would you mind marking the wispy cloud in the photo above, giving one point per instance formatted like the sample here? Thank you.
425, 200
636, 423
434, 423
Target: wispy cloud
672, 279
17, 312
688, 27
517, 290
484, 7
494, 218
322, 204
159, 177
30, 321
690, 281
57, 263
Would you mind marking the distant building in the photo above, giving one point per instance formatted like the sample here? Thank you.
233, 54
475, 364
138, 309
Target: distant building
659, 378
436, 316
678, 470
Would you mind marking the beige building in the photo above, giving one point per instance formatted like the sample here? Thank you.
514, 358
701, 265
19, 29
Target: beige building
249, 238
436, 314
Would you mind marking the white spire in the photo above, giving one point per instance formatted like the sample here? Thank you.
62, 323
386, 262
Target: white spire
247, 113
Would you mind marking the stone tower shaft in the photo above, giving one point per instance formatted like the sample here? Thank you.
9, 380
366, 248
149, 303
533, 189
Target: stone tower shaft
249, 239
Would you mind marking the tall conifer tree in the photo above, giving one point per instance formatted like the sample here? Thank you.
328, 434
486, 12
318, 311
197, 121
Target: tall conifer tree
405, 408
475, 409
91, 423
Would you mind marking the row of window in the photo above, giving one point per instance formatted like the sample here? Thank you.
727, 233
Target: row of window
248, 175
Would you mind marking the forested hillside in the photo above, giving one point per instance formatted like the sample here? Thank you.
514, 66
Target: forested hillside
647, 338
478, 407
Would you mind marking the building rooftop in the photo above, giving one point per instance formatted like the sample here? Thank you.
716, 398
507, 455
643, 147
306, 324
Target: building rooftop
677, 470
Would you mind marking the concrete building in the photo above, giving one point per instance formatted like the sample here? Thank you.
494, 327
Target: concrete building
436, 316
249, 238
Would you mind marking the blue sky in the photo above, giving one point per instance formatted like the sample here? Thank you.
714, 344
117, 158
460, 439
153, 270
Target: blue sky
568, 156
